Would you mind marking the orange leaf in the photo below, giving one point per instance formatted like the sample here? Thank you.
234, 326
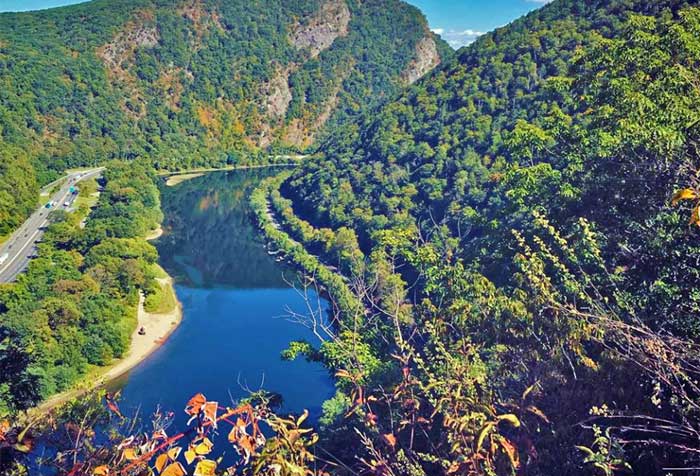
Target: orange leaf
112, 404
511, 451
4, 429
371, 419
206, 467
390, 439
101, 471
175, 469
210, 409
195, 404
161, 461
685, 194
695, 216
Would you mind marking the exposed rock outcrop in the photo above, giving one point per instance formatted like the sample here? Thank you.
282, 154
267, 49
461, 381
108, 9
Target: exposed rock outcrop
139, 33
202, 19
302, 132
118, 56
318, 31
427, 57
277, 94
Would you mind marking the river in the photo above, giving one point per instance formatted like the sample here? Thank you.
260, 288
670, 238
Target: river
236, 301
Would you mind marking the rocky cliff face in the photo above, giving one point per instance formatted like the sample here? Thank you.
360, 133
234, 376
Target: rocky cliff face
185, 81
278, 94
427, 58
118, 55
139, 33
318, 32
268, 122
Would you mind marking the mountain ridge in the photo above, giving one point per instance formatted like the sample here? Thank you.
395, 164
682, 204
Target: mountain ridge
191, 83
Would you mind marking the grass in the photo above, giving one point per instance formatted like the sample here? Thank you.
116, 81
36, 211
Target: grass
88, 197
87, 202
161, 299
44, 199
159, 272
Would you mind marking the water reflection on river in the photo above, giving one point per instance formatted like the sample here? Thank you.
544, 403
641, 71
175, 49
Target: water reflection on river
235, 299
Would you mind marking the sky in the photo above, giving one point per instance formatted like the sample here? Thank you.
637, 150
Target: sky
24, 5
459, 22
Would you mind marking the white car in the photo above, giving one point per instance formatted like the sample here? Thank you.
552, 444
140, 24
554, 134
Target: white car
4, 257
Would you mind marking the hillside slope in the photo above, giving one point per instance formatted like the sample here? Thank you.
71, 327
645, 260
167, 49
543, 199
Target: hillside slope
186, 83
523, 193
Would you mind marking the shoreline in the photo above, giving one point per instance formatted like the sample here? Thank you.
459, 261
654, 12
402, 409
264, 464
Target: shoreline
228, 168
159, 327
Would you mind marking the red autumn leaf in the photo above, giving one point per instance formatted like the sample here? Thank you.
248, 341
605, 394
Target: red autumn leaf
112, 404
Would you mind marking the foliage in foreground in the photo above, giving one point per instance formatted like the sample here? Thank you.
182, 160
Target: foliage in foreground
91, 437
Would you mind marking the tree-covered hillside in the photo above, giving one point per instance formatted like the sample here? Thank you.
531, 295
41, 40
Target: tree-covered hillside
523, 195
185, 83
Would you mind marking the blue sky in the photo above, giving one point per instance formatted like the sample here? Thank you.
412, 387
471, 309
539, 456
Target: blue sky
459, 22
23, 5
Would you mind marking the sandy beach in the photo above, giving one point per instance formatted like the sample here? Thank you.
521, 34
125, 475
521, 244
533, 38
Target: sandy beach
155, 234
158, 327
178, 179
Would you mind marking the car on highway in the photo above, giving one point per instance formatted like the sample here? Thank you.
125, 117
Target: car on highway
4, 257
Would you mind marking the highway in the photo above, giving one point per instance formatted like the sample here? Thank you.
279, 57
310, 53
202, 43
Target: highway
19, 249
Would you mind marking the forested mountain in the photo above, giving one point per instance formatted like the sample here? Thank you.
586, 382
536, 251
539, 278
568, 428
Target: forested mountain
523, 193
510, 245
183, 83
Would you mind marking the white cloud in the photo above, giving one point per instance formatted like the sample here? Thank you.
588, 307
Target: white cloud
458, 38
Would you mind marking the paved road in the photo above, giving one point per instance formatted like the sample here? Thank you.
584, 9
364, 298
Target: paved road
19, 249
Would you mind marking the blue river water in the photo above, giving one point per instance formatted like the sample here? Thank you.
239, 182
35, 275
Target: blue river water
236, 301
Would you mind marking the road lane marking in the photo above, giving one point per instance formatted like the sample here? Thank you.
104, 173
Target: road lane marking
37, 214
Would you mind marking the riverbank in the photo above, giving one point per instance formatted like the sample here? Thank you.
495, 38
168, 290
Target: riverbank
158, 328
174, 180
332, 283
230, 168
